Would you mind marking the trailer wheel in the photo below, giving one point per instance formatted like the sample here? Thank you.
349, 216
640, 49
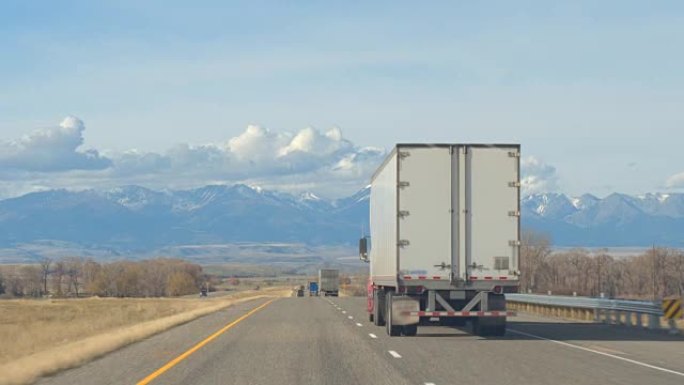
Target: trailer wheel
498, 327
478, 327
453, 321
489, 326
378, 307
409, 330
392, 330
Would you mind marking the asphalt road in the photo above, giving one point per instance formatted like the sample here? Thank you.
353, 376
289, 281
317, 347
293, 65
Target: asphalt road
330, 341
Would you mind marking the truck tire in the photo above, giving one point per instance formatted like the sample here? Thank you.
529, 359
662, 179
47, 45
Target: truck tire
489, 326
498, 329
497, 325
479, 327
370, 317
392, 330
453, 321
378, 307
409, 330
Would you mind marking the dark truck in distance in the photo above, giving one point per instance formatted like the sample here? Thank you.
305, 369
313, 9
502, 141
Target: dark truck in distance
445, 233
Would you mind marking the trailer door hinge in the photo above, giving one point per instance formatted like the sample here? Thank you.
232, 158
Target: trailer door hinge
403, 184
514, 213
403, 243
403, 213
514, 243
403, 154
514, 154
514, 184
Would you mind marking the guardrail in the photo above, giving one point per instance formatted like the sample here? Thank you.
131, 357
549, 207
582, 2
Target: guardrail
623, 312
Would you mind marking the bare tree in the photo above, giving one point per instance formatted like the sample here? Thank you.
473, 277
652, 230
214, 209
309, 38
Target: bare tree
603, 264
32, 280
14, 284
45, 264
534, 251
74, 268
678, 269
58, 278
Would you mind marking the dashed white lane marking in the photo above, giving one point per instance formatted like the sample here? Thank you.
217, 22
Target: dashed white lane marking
429, 383
358, 324
373, 336
394, 354
635, 362
350, 317
344, 312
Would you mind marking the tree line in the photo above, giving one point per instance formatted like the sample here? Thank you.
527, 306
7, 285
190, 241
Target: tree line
653, 274
75, 277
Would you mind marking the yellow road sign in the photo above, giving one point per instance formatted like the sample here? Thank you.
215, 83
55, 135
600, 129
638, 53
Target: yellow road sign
672, 308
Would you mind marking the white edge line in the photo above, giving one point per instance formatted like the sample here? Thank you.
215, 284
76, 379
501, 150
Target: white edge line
372, 335
601, 353
394, 354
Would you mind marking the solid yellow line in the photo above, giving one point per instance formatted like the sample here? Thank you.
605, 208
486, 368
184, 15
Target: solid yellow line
197, 347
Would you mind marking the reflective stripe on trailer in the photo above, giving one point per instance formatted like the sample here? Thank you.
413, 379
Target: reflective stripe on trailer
423, 277
487, 278
460, 313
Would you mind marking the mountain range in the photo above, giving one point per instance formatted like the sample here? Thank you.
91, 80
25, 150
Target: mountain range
616, 220
136, 218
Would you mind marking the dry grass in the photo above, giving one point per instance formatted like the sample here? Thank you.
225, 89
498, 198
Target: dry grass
36, 334
353, 290
354, 287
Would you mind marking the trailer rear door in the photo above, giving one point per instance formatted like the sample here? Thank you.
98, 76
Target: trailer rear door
492, 220
424, 212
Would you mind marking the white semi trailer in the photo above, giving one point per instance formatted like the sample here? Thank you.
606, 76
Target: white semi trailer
444, 237
329, 282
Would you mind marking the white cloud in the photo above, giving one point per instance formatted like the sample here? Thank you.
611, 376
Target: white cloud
675, 181
537, 176
256, 144
52, 149
311, 141
324, 162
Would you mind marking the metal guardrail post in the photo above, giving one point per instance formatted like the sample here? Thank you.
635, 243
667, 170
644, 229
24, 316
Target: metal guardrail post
673, 327
653, 322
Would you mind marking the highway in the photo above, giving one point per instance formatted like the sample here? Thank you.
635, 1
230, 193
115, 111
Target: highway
313, 340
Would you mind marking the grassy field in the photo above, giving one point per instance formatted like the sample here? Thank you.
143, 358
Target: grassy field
353, 286
36, 333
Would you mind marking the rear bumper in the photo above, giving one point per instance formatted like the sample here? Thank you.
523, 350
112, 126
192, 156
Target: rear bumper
441, 314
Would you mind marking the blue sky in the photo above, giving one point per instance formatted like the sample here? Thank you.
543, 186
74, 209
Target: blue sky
594, 91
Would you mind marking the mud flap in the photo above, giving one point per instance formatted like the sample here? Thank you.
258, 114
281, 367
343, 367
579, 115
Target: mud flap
401, 309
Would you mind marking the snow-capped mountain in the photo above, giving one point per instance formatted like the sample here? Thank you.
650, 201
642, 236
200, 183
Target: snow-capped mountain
133, 217
136, 217
616, 220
